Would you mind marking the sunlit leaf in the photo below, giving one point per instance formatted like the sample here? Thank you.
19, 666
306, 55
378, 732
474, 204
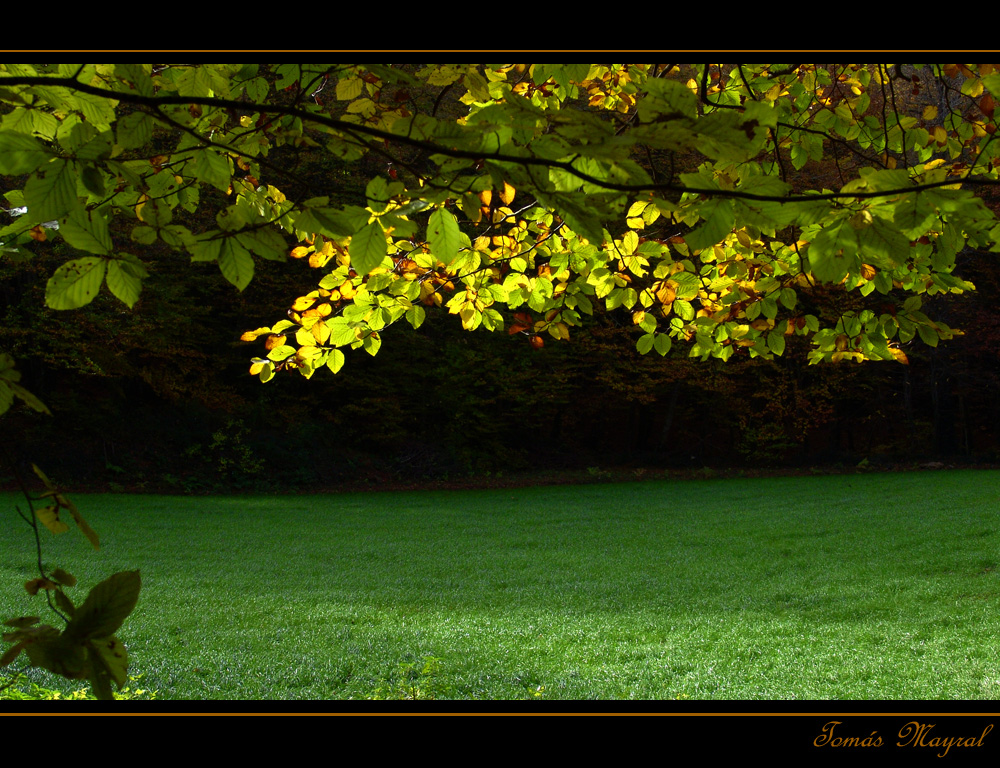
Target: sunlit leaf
367, 248
443, 235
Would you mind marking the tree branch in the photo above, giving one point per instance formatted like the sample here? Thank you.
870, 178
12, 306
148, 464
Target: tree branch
154, 102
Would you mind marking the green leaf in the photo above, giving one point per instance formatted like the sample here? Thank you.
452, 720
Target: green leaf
20, 153
265, 243
371, 343
87, 231
662, 343
415, 316
349, 88
100, 681
60, 654
75, 283
93, 180
444, 235
51, 191
235, 263
107, 606
213, 168
125, 279
9, 390
928, 335
719, 221
134, 130
335, 361
776, 343
377, 194
367, 248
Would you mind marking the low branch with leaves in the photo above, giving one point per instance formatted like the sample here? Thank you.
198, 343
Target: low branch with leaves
694, 198
87, 648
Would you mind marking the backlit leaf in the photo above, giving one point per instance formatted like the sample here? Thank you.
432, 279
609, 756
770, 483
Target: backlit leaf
367, 248
75, 283
125, 279
20, 153
443, 234
235, 263
50, 192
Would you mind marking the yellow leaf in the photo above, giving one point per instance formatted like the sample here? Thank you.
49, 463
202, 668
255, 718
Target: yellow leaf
252, 335
321, 257
78, 519
321, 332
50, 519
41, 476
507, 195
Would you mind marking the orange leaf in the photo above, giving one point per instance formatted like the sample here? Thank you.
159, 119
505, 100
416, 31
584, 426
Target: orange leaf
987, 105
321, 257
252, 335
665, 293
274, 341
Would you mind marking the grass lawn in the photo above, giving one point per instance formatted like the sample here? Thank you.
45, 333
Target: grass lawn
868, 586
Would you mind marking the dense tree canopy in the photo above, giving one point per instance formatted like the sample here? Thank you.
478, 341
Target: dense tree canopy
722, 209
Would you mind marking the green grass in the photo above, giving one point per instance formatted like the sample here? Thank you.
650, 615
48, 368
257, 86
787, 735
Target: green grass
880, 586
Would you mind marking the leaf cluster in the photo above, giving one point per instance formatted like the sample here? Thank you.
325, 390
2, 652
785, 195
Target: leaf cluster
87, 648
678, 195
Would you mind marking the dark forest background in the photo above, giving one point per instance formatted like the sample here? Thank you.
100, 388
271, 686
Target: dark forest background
159, 398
